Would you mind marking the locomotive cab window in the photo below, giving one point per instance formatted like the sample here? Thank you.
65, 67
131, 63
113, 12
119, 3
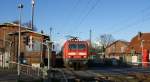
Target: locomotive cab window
72, 46
81, 46
77, 46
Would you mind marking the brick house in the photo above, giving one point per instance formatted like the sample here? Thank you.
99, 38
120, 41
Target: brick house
135, 46
140, 40
117, 49
33, 52
5, 42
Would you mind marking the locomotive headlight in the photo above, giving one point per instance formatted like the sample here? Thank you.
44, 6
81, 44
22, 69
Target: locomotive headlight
71, 53
82, 53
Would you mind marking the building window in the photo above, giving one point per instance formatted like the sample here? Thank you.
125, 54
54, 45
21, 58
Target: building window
122, 49
113, 49
109, 50
35, 46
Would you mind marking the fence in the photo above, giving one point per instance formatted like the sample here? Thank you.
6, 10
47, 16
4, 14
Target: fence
30, 71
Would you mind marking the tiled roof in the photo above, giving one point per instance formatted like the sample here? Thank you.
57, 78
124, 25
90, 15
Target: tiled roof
125, 42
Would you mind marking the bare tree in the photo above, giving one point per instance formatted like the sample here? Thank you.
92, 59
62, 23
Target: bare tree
15, 21
28, 24
105, 40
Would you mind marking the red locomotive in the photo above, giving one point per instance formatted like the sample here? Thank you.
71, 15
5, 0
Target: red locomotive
75, 53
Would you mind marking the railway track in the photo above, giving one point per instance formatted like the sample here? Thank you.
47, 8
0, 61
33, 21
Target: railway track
70, 75
122, 71
134, 74
100, 75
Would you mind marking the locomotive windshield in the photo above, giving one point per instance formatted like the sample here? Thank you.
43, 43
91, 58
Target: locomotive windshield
77, 46
81, 46
72, 46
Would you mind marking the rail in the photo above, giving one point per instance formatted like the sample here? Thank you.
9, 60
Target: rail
80, 75
57, 73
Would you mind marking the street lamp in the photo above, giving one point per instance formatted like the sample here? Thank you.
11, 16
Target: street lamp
32, 22
20, 7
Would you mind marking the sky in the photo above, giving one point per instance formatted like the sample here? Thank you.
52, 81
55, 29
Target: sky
121, 18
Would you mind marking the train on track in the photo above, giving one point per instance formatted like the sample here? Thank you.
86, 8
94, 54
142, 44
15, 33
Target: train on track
75, 53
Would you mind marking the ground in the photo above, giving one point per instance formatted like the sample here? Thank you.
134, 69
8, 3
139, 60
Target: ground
10, 75
110, 74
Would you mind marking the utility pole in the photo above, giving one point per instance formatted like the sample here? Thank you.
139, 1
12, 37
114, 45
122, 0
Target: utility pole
48, 50
90, 43
50, 34
32, 21
48, 44
20, 6
4, 44
90, 38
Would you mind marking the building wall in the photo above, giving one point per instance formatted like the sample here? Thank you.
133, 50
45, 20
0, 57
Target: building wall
4, 34
116, 49
136, 42
5, 43
135, 47
32, 53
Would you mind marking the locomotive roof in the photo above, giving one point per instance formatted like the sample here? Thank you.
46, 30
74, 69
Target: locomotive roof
76, 41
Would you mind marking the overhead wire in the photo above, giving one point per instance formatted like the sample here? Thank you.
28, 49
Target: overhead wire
132, 24
75, 4
75, 14
88, 3
89, 11
71, 13
86, 14
94, 6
